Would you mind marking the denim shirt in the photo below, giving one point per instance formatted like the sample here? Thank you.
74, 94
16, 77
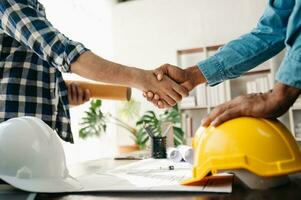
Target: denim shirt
279, 27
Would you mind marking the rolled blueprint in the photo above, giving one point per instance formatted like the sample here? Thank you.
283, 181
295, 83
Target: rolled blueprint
181, 153
174, 154
187, 153
102, 91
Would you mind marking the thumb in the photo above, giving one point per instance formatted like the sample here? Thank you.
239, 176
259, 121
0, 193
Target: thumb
188, 85
159, 74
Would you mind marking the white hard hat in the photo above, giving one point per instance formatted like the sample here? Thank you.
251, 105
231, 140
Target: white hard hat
32, 157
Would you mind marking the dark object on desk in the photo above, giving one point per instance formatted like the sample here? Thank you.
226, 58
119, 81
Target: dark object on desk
127, 158
158, 147
137, 155
158, 143
171, 167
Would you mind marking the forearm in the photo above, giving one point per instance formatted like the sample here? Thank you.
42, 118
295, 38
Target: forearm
96, 68
283, 97
195, 75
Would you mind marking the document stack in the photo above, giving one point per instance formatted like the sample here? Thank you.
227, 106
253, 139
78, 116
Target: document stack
201, 95
298, 130
188, 102
216, 95
207, 96
298, 103
262, 84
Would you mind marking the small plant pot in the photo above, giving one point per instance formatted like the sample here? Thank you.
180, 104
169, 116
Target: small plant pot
128, 148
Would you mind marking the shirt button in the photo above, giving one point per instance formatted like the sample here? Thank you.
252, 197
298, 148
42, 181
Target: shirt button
52, 92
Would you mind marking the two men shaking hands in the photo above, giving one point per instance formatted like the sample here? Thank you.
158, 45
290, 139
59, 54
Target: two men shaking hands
35, 54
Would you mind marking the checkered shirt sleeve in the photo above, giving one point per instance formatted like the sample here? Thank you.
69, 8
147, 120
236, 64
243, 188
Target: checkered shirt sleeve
27, 24
33, 55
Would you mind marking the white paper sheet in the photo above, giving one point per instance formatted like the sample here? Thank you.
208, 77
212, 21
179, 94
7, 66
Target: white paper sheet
150, 175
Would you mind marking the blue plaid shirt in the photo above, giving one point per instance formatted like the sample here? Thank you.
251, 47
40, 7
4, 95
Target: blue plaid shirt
33, 55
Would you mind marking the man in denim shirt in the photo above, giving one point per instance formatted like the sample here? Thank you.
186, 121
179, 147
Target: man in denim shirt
279, 27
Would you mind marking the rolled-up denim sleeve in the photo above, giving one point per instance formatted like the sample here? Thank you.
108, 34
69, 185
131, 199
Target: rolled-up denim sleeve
289, 72
248, 51
27, 25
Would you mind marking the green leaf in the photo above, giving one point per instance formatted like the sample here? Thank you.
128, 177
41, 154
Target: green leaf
178, 136
93, 122
142, 138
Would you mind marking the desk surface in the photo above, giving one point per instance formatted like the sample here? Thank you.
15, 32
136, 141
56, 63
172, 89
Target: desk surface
290, 191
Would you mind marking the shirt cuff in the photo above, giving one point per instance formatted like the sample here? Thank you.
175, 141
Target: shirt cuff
72, 52
212, 70
289, 72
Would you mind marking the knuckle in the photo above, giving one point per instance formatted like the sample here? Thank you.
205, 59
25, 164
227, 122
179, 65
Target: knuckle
75, 85
80, 91
186, 93
172, 103
228, 114
219, 120
183, 92
178, 98
217, 110
154, 101
240, 98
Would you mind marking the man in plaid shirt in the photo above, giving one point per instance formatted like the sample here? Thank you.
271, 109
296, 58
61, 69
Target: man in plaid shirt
33, 55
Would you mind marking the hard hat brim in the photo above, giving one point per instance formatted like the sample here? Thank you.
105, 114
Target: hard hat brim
193, 181
68, 184
221, 178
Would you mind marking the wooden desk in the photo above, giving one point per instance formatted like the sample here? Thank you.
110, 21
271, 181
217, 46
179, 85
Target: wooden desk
291, 191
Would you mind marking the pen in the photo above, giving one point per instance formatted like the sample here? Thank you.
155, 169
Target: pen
170, 167
148, 130
166, 130
127, 158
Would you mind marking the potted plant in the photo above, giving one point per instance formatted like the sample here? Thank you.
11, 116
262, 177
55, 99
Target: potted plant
95, 122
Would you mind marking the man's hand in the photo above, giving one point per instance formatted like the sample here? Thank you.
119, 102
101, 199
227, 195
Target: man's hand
93, 67
77, 95
168, 90
178, 74
263, 105
188, 78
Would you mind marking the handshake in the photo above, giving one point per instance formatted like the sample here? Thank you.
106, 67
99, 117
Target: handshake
168, 84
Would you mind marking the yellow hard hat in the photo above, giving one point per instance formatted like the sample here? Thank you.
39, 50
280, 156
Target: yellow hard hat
260, 146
